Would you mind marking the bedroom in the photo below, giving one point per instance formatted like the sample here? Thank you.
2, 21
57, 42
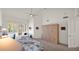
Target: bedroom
40, 29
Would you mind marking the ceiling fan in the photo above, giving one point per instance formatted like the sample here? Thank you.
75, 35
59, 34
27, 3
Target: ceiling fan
30, 13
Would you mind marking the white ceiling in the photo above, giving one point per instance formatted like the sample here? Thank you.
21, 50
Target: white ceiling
20, 12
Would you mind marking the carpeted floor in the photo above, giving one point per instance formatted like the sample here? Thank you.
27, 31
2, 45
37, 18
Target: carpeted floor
53, 47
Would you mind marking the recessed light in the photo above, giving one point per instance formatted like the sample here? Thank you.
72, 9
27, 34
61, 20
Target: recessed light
31, 15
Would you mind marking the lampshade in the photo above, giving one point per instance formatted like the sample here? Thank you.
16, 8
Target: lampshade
4, 29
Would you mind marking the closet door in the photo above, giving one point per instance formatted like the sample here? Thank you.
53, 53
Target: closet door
51, 33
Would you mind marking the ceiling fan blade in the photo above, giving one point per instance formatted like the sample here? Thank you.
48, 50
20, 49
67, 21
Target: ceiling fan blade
27, 14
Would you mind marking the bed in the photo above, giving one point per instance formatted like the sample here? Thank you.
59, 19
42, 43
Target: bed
30, 44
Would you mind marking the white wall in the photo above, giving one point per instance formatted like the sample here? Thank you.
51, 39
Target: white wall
31, 24
63, 34
0, 17
37, 23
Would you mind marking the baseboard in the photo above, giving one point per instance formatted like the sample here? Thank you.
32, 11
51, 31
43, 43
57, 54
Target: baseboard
63, 44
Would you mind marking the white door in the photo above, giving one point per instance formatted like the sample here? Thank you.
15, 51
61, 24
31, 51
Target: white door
77, 32
71, 33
